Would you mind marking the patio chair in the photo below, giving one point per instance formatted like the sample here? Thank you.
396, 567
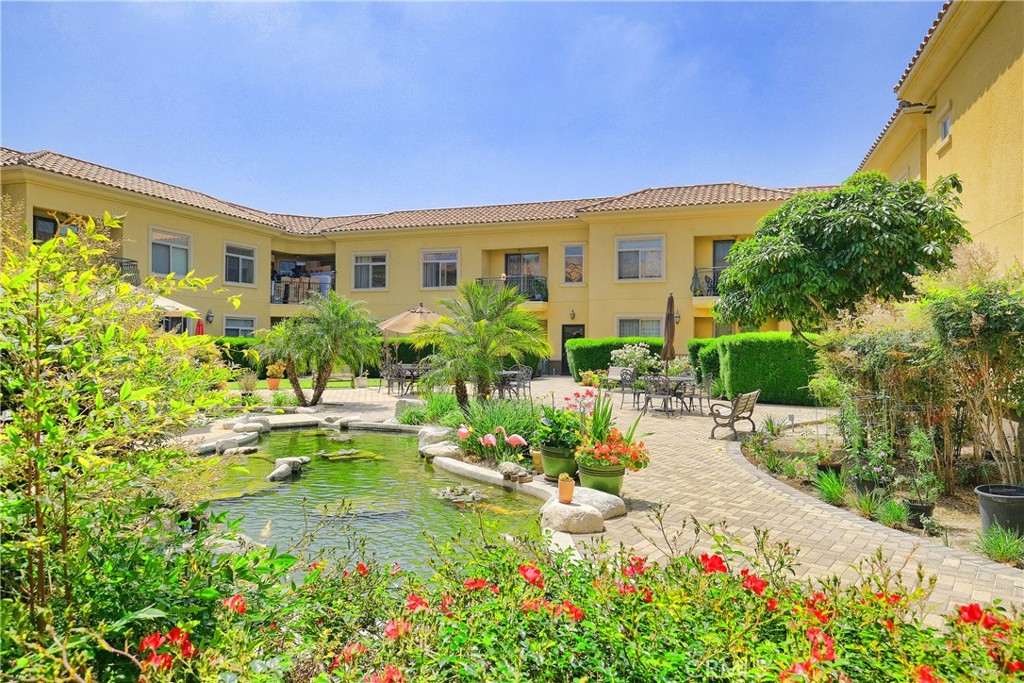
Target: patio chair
702, 391
394, 376
627, 385
659, 388
728, 414
523, 378
687, 394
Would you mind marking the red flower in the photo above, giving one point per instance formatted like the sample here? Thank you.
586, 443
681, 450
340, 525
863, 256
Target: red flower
713, 563
446, 605
574, 612
415, 603
625, 588
887, 623
925, 674
176, 635
798, 669
391, 674
362, 569
1015, 666
637, 567
531, 573
152, 642
474, 584
755, 584
188, 650
971, 614
531, 605
236, 603
772, 604
822, 645
990, 620
155, 661
351, 651
396, 628
647, 595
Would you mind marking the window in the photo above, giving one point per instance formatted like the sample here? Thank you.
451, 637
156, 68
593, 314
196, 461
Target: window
239, 264
239, 327
944, 127
174, 325
170, 252
720, 250
574, 264
370, 271
640, 259
440, 269
640, 327
43, 228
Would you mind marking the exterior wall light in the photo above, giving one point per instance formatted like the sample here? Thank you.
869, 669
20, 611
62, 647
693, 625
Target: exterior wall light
209, 315
677, 317
572, 314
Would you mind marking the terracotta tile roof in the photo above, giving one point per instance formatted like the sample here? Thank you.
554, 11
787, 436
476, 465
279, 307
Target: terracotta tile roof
691, 195
810, 188
924, 43
885, 129
314, 225
83, 170
470, 215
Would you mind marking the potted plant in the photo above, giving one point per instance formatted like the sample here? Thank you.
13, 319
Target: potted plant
557, 435
566, 486
275, 371
605, 453
361, 380
827, 460
872, 467
924, 483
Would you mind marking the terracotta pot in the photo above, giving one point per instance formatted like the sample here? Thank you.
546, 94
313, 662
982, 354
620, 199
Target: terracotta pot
273, 383
565, 489
538, 461
360, 382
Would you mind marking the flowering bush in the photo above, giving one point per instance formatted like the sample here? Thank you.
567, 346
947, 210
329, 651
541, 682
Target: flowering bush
637, 357
874, 463
614, 450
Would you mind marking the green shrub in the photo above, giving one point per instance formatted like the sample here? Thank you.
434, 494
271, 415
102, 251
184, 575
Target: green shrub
514, 417
893, 513
1001, 545
831, 487
694, 347
414, 416
710, 363
439, 404
777, 363
596, 354
233, 351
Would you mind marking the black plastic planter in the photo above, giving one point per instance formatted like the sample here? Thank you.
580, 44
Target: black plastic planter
1001, 503
917, 511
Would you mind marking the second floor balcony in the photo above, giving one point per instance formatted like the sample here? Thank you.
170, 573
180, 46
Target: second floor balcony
299, 290
705, 281
533, 287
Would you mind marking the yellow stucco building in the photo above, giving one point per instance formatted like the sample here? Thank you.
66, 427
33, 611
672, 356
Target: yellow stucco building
592, 267
961, 110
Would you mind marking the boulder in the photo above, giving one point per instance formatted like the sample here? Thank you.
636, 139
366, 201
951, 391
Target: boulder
608, 505
404, 404
251, 427
574, 518
280, 473
227, 425
305, 410
344, 421
432, 435
225, 445
445, 449
510, 470
241, 450
257, 419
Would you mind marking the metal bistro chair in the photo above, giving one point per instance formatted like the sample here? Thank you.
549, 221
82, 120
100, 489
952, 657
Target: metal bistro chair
394, 375
687, 394
523, 378
659, 388
627, 384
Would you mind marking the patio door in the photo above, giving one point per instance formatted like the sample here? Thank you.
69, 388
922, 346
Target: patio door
519, 265
570, 332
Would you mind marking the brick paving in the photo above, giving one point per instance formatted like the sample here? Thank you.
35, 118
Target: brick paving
710, 480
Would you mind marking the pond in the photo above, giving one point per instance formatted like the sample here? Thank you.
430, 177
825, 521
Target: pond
392, 497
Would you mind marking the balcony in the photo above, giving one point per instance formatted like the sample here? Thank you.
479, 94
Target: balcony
299, 290
534, 287
705, 281
129, 269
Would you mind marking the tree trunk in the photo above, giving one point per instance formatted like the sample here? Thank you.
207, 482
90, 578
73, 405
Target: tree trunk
293, 379
323, 375
462, 396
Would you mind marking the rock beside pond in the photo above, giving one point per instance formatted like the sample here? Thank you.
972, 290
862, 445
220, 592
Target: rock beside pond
258, 419
510, 470
459, 494
445, 449
575, 518
241, 450
251, 427
286, 467
608, 505
404, 405
305, 410
432, 435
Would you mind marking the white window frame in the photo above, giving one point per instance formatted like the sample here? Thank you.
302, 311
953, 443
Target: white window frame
458, 266
251, 319
945, 119
255, 262
640, 318
188, 250
637, 238
583, 264
371, 265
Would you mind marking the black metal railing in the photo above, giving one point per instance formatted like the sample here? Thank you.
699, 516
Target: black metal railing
534, 287
299, 290
705, 281
129, 269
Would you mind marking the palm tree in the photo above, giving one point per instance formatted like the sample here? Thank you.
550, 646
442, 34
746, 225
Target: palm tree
479, 330
329, 329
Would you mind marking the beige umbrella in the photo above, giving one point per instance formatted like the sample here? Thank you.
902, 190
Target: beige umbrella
406, 322
162, 303
668, 351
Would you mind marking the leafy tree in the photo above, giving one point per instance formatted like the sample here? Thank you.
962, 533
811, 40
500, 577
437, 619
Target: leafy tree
821, 252
479, 330
329, 330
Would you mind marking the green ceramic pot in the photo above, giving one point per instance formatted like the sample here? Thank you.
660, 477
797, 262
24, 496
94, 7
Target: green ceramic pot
556, 461
607, 479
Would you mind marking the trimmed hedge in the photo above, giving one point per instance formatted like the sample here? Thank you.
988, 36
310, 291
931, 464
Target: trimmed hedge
695, 347
777, 363
596, 354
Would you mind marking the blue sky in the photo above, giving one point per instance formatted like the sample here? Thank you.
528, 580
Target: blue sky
337, 108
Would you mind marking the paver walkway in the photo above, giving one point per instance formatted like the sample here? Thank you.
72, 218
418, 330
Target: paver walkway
711, 481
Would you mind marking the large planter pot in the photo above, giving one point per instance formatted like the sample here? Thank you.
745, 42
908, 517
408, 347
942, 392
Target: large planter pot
1002, 504
834, 467
607, 479
864, 486
273, 383
918, 510
360, 382
557, 460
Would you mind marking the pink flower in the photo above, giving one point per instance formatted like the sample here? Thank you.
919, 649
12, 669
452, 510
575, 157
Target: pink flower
464, 432
531, 573
637, 567
236, 603
396, 628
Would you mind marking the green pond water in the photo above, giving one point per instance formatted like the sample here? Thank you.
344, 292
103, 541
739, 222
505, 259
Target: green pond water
391, 494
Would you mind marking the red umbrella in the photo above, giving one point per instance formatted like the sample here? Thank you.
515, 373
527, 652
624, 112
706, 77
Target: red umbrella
199, 326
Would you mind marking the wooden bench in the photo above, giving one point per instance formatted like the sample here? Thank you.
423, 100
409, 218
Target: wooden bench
728, 414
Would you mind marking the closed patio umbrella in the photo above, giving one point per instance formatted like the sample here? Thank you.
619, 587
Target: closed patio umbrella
668, 351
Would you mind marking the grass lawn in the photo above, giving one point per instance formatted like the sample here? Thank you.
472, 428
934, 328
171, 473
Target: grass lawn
307, 383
